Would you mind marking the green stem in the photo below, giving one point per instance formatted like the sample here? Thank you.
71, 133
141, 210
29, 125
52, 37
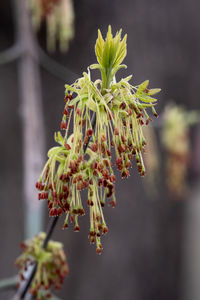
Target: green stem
106, 80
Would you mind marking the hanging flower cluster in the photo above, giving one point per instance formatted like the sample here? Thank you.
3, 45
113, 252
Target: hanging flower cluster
175, 138
106, 115
59, 15
51, 265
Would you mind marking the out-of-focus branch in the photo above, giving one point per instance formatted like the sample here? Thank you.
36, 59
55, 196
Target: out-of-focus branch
54, 67
32, 113
8, 283
11, 54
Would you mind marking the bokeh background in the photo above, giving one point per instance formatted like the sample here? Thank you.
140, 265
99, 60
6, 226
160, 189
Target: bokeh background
152, 249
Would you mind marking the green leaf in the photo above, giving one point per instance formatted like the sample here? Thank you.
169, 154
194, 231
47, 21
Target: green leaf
153, 91
143, 97
99, 47
142, 105
143, 85
120, 51
110, 54
128, 78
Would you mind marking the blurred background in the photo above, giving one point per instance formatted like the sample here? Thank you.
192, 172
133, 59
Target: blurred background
152, 250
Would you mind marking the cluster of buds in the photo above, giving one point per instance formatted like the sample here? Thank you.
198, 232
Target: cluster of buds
51, 265
83, 159
175, 138
59, 15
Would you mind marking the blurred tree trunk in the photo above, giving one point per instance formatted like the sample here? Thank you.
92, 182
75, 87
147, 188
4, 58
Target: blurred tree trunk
32, 116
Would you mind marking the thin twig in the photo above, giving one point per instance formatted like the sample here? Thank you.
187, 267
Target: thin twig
54, 67
50, 229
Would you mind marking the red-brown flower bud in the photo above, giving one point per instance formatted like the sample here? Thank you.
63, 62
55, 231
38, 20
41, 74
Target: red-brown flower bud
128, 164
118, 161
104, 229
155, 114
90, 181
67, 206
78, 111
116, 132
67, 147
112, 203
123, 105
77, 228
125, 173
63, 125
65, 112
112, 178
92, 239
89, 132
100, 182
130, 112
141, 122
65, 226
108, 153
106, 162
59, 211
99, 250
94, 147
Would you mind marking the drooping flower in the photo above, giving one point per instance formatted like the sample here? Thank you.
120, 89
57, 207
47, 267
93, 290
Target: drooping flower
107, 116
59, 16
51, 265
175, 138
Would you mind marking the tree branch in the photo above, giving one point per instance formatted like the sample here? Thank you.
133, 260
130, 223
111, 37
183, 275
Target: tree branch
54, 67
32, 115
8, 283
10, 54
